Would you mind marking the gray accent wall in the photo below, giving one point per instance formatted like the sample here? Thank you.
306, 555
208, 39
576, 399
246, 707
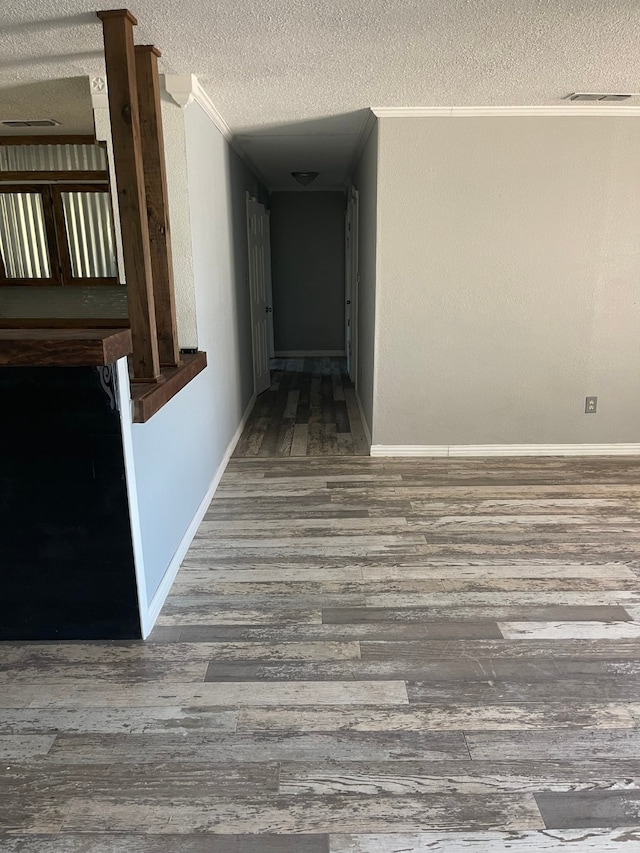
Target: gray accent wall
307, 262
366, 182
508, 280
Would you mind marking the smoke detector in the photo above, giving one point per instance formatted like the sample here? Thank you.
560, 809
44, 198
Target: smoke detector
596, 96
33, 122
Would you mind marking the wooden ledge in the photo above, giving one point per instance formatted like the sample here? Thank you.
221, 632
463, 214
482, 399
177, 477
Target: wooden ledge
148, 398
63, 347
64, 323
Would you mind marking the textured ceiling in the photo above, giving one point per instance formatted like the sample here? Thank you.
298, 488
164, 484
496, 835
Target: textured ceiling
67, 100
293, 77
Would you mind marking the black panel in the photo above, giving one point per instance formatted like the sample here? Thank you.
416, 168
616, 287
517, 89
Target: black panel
66, 556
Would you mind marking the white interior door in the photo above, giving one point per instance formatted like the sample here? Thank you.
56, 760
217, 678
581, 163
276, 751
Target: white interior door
352, 277
257, 221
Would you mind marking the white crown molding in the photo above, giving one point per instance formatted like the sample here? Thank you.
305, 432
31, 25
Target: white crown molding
505, 450
181, 87
185, 89
551, 110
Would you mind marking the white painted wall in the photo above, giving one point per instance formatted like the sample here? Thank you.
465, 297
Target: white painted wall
508, 281
180, 453
365, 180
175, 150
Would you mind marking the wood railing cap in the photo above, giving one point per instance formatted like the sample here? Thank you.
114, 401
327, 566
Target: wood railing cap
147, 48
117, 13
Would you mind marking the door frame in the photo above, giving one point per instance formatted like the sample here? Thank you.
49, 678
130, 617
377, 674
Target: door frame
352, 280
261, 310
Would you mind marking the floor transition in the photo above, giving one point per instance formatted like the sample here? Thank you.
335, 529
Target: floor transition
358, 656
310, 410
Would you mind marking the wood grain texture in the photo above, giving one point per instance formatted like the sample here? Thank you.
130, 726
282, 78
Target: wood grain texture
581, 841
149, 398
63, 347
137, 842
155, 183
309, 410
119, 54
302, 814
358, 655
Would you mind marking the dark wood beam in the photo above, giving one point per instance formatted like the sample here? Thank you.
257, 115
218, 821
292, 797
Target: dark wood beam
63, 347
119, 52
155, 179
149, 399
48, 139
53, 176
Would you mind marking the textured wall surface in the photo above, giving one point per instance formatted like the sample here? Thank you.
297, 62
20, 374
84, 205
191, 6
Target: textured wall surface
177, 453
307, 261
366, 182
173, 127
509, 265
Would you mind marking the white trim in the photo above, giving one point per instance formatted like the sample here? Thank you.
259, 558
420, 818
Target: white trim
409, 450
181, 87
505, 450
309, 353
185, 89
126, 406
148, 618
365, 425
99, 92
568, 109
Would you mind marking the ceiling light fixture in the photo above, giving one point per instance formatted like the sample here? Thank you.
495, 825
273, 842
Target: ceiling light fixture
305, 178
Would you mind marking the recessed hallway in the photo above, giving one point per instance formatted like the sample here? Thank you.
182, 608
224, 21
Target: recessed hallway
310, 410
358, 656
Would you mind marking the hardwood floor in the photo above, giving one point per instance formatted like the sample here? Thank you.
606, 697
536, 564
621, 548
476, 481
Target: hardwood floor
358, 656
310, 410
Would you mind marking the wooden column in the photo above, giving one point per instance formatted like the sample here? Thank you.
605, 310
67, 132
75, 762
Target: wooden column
155, 180
119, 53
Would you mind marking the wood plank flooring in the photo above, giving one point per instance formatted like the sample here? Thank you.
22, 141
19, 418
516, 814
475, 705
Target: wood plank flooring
358, 656
310, 410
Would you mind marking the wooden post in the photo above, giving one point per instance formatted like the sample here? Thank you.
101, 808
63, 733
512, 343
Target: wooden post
119, 54
155, 180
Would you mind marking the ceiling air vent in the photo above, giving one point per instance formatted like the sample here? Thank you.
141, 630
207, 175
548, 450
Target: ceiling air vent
36, 122
596, 96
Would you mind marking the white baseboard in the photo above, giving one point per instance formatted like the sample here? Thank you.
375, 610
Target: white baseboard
409, 450
309, 353
155, 605
505, 450
365, 425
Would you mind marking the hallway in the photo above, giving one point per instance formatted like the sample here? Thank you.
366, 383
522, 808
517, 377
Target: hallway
310, 410
358, 656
